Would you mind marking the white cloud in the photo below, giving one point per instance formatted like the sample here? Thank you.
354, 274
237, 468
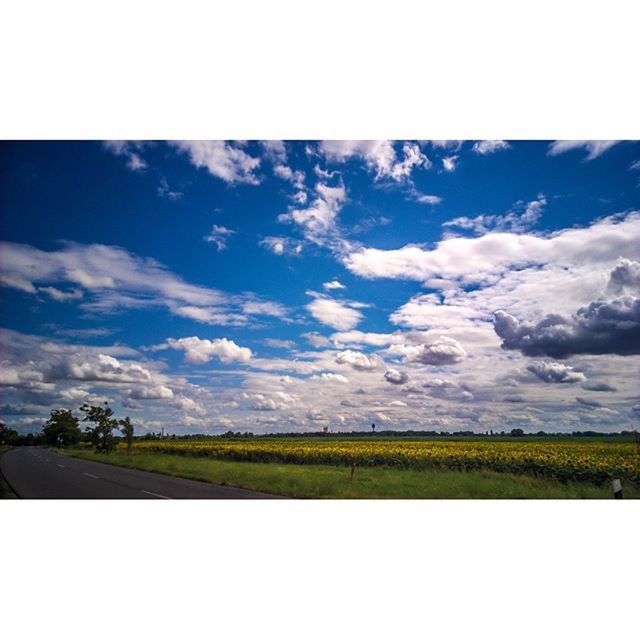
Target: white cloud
62, 296
449, 163
594, 148
103, 367
484, 147
331, 377
337, 314
443, 351
274, 150
379, 156
279, 344
165, 191
394, 376
189, 405
427, 311
372, 339
129, 150
296, 178
333, 284
116, 280
218, 236
476, 259
316, 340
199, 351
358, 360
522, 216
257, 308
424, 198
318, 220
555, 372
144, 392
222, 159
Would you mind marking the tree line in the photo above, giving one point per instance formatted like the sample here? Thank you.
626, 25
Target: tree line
62, 429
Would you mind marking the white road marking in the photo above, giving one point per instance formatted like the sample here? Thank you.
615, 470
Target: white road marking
62, 466
90, 475
157, 495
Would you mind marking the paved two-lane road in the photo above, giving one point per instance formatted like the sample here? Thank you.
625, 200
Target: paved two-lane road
39, 473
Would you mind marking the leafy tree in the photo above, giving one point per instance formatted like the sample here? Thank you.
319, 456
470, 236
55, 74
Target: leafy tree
517, 432
127, 431
7, 435
101, 435
62, 428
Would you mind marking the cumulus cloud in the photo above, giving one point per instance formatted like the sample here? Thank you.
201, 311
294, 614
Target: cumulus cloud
275, 402
318, 220
485, 147
333, 284
594, 148
396, 377
338, 314
625, 277
441, 352
143, 392
331, 377
379, 156
218, 236
199, 351
428, 311
555, 372
222, 159
188, 405
602, 327
357, 360
474, 260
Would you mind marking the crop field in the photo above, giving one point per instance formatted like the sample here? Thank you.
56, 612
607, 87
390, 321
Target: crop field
566, 460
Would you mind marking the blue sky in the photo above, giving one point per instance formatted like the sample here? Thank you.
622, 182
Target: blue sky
281, 286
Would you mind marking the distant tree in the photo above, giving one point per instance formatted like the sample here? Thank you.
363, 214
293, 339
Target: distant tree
61, 429
7, 435
517, 432
127, 431
101, 435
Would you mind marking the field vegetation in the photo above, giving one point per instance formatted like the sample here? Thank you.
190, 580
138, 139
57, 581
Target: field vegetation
377, 467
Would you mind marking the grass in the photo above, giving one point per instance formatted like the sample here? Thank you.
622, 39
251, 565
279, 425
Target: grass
323, 481
4, 489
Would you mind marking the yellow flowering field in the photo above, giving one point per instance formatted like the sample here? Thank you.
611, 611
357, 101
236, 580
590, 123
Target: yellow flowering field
564, 460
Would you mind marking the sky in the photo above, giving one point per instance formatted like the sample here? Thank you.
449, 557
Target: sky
282, 286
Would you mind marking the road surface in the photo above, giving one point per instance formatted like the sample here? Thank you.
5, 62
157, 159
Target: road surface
32, 472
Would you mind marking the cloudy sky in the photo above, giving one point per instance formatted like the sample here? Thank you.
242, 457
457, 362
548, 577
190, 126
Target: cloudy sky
291, 286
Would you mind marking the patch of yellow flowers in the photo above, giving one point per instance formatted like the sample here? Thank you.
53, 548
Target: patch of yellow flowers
589, 461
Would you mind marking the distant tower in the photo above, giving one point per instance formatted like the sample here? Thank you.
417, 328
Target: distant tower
325, 429
373, 428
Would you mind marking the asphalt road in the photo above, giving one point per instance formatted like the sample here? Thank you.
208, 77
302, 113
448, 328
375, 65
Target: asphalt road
39, 473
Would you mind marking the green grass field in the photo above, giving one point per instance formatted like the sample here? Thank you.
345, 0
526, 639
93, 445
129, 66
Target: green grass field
324, 481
